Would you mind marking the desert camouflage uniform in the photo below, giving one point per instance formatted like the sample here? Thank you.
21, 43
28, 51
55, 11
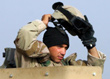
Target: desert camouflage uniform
31, 52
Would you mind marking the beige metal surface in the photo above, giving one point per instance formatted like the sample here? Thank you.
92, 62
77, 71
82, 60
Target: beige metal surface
65, 72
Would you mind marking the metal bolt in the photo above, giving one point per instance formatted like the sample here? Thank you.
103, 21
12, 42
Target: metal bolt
90, 45
46, 74
94, 74
11, 76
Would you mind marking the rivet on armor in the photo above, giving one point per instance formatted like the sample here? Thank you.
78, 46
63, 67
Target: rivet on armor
46, 74
94, 74
10, 76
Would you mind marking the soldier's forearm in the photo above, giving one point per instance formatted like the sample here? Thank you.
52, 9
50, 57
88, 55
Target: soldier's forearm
94, 52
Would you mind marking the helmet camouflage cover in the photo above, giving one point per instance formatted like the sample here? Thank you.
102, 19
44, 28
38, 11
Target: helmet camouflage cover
59, 15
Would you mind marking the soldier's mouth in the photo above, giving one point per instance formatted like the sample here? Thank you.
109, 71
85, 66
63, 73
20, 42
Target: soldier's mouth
60, 57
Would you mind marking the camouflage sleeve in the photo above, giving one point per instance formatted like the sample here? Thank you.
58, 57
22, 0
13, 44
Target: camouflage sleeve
28, 34
71, 60
91, 61
26, 42
97, 61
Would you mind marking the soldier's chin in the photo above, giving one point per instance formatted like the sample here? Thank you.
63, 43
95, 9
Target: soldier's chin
57, 61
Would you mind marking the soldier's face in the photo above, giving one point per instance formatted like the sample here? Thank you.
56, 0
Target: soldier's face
58, 52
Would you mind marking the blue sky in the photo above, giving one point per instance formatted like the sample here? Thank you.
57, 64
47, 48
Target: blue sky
15, 14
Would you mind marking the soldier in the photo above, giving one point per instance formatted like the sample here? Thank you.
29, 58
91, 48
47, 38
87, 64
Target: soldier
33, 53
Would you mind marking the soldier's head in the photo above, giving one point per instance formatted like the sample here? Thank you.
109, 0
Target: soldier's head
57, 43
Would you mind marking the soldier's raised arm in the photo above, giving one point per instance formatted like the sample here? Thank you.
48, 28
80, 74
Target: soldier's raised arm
28, 33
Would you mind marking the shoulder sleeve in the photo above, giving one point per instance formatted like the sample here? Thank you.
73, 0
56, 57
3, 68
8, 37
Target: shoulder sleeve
37, 49
26, 43
28, 34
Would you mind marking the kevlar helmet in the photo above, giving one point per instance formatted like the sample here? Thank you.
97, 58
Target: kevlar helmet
70, 18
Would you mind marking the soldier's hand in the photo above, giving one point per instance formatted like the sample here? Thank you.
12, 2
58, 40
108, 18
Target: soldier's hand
46, 18
88, 38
